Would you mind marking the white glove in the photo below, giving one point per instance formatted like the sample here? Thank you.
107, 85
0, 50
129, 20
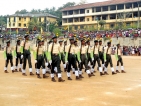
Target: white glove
66, 62
15, 57
92, 59
5, 58
21, 56
104, 60
50, 61
35, 61
46, 64
80, 61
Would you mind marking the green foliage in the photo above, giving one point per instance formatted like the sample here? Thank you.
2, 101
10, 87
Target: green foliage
57, 31
3, 20
34, 24
102, 23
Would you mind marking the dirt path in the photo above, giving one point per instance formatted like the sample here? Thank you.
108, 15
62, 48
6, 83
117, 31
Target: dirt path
117, 90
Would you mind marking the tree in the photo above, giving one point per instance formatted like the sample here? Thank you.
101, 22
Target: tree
35, 25
102, 23
82, 2
57, 31
24, 11
122, 18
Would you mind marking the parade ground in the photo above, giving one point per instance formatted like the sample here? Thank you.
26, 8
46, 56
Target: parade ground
110, 90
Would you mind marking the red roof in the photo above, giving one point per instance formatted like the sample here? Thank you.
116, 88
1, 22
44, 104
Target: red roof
97, 4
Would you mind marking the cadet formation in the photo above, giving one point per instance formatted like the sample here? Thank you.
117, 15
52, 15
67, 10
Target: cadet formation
49, 57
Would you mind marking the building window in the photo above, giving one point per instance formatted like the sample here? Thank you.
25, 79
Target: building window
112, 25
113, 7
135, 5
82, 11
87, 11
81, 27
98, 9
14, 19
9, 19
82, 19
24, 25
93, 10
19, 18
39, 19
19, 24
87, 19
9, 24
30, 19
128, 6
128, 24
24, 18
105, 8
120, 6
76, 27
92, 18
13, 24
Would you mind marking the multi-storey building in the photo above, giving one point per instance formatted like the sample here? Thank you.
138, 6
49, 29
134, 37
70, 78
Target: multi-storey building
20, 21
112, 11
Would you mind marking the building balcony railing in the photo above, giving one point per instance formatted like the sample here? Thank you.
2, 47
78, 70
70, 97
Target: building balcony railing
102, 13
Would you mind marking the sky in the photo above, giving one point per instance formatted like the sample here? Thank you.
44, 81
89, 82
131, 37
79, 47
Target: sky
9, 7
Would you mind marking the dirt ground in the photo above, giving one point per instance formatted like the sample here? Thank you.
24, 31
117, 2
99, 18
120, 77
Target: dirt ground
111, 90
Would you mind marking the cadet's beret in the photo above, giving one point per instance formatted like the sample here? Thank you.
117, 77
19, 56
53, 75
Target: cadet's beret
26, 36
108, 42
96, 41
54, 36
18, 40
8, 41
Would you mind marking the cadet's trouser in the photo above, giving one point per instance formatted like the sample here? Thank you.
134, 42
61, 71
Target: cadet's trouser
40, 62
63, 58
26, 56
45, 57
55, 63
84, 61
101, 57
96, 59
9, 58
71, 61
18, 58
108, 60
119, 60
89, 59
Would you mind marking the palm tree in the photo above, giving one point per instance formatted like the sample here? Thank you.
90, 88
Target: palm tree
102, 23
35, 25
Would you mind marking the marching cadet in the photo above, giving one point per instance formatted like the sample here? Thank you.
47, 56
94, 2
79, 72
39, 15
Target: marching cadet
77, 48
17, 54
8, 57
90, 56
62, 53
96, 57
101, 54
70, 59
39, 59
45, 55
54, 59
108, 59
65, 45
84, 60
26, 55
33, 52
119, 59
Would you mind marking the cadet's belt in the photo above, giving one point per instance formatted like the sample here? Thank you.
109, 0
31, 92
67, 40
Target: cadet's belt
26, 49
83, 54
55, 54
9, 53
40, 54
